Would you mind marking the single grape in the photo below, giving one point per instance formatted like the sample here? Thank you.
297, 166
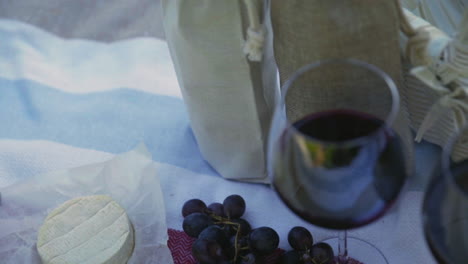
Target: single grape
300, 238
234, 206
245, 227
263, 240
194, 223
243, 243
226, 229
291, 257
217, 209
215, 233
193, 206
208, 252
242, 246
322, 253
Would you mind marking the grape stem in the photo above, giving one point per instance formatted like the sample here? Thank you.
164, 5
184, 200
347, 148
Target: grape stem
227, 221
236, 239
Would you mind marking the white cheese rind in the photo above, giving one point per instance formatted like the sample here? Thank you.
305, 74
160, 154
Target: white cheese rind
86, 230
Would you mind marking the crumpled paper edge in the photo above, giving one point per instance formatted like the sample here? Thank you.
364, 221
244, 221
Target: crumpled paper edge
151, 240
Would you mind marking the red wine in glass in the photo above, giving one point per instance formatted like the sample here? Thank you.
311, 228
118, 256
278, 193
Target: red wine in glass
355, 183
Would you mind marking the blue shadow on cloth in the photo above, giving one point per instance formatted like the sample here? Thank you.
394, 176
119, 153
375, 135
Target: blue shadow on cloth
113, 121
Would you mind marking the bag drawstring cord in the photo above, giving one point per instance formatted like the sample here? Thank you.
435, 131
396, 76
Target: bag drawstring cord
255, 35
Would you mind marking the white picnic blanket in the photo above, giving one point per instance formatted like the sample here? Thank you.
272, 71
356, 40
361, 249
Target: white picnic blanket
67, 103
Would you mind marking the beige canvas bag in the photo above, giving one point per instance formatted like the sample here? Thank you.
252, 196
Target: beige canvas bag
437, 84
223, 62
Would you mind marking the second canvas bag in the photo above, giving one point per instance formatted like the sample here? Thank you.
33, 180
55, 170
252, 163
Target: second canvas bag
367, 30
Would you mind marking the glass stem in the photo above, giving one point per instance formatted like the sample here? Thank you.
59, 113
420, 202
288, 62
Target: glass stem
343, 247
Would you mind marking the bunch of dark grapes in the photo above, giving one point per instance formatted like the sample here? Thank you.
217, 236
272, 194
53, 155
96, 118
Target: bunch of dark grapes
223, 237
304, 250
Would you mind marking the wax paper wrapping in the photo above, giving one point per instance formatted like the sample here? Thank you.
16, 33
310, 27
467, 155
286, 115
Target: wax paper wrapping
130, 179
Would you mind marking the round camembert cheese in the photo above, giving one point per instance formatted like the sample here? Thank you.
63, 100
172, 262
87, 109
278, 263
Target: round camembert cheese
86, 230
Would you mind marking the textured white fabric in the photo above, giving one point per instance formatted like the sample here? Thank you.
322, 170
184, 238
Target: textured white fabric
446, 14
441, 72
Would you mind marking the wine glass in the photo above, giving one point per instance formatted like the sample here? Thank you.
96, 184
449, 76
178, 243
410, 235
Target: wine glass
333, 157
445, 207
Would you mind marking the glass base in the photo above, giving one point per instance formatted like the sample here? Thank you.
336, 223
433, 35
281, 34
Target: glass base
360, 250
